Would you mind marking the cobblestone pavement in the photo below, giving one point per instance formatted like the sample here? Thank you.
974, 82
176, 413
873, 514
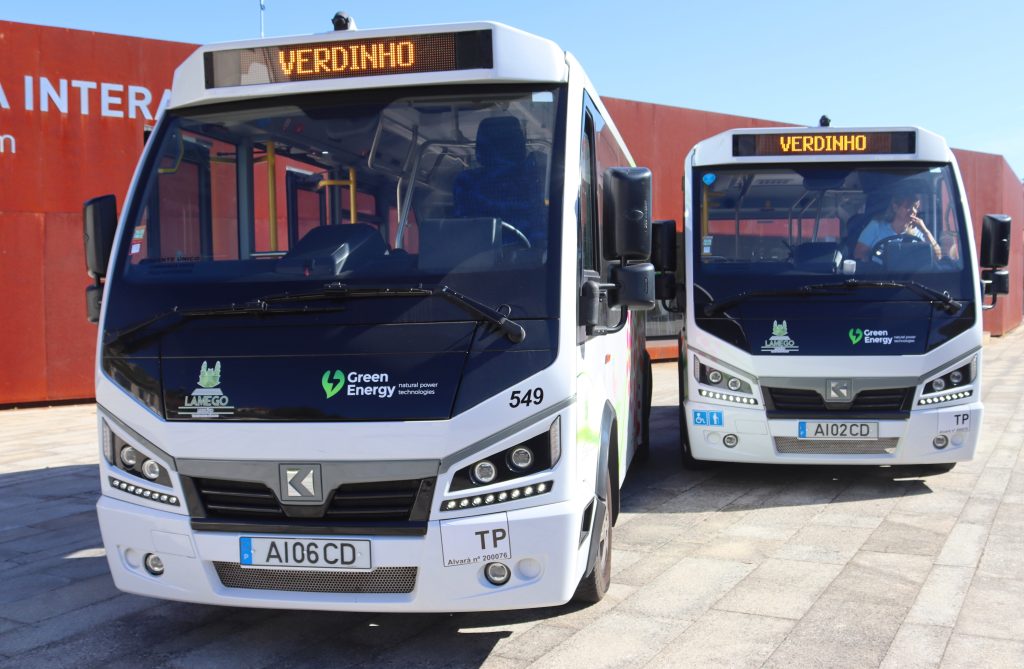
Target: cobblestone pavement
735, 566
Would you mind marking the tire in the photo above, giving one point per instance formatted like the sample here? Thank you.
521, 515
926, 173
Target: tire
593, 586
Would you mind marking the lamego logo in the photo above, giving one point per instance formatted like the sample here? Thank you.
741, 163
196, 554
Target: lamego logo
780, 341
375, 384
207, 400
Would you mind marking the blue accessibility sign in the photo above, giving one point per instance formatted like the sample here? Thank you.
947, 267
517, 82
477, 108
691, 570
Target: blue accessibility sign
708, 418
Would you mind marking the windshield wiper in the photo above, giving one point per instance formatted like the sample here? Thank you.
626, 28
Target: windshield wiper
944, 300
514, 331
712, 308
253, 307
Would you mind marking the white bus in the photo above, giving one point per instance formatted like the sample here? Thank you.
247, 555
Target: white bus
833, 309
369, 331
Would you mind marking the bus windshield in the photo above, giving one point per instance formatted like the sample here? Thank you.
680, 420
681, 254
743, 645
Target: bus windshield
453, 187
776, 228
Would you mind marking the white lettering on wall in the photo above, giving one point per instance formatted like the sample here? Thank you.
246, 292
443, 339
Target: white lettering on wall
8, 140
3, 99
83, 93
115, 100
48, 94
108, 100
30, 103
139, 98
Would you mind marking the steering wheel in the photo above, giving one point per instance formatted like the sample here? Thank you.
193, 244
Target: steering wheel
518, 233
878, 251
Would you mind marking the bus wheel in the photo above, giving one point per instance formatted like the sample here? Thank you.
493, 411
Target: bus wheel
595, 584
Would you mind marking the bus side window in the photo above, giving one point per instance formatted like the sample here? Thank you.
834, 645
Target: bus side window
588, 222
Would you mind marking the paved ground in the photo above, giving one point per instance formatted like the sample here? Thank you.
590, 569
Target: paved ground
735, 566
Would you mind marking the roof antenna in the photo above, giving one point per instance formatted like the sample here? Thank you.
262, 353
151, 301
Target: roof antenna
342, 21
824, 121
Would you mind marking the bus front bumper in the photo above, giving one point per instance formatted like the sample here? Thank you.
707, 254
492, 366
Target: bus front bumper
442, 570
759, 439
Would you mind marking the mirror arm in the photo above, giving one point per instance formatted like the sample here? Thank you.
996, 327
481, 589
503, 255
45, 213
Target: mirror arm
596, 330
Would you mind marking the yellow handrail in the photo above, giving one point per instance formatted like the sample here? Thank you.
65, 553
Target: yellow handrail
351, 183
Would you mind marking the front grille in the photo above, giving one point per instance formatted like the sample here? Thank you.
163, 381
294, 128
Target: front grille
237, 499
377, 502
383, 580
383, 500
884, 446
882, 400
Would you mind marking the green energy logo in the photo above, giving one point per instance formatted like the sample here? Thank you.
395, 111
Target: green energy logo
333, 389
209, 378
856, 335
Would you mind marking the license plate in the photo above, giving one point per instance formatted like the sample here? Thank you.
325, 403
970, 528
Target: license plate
298, 552
848, 430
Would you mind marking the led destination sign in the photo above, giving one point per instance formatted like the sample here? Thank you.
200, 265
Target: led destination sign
343, 59
822, 143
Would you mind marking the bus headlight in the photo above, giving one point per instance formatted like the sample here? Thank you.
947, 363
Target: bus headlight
951, 381
484, 472
710, 376
536, 454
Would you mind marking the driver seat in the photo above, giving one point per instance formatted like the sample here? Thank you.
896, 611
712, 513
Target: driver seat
507, 184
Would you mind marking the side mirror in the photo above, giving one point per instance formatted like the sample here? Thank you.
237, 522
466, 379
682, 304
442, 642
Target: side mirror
663, 246
93, 297
996, 281
634, 286
627, 213
995, 240
99, 223
663, 257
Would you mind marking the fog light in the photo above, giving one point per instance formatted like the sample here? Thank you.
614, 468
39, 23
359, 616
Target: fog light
938, 384
715, 376
730, 440
129, 456
940, 441
521, 458
956, 377
151, 470
497, 573
154, 565
734, 384
484, 472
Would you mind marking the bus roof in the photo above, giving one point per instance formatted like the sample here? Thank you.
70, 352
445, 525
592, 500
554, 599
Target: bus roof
796, 145
358, 59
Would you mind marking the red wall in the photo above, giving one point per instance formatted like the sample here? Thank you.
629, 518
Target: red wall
64, 153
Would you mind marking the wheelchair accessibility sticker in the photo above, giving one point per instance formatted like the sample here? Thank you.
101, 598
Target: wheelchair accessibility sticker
708, 418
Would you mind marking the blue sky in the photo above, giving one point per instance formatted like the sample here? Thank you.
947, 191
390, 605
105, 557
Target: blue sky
950, 66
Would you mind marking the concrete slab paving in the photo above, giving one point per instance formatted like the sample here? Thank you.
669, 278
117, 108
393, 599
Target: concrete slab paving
734, 566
